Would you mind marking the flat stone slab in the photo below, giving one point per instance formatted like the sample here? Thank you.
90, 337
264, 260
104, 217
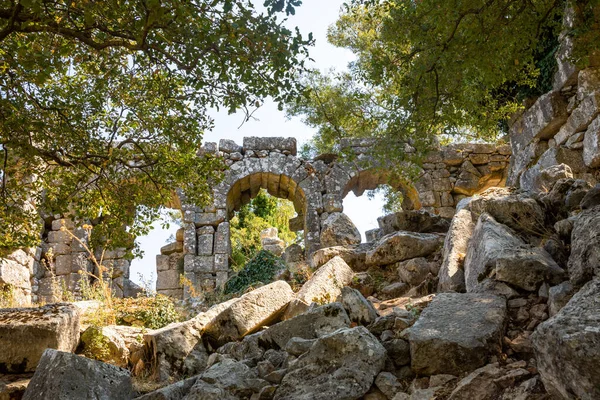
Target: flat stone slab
457, 333
26, 332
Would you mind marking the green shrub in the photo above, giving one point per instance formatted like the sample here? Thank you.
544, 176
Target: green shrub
260, 269
152, 312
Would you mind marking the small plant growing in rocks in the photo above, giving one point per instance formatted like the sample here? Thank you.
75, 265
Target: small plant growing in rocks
262, 268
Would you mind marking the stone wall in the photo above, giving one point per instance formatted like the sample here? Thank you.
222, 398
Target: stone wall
559, 135
317, 188
17, 276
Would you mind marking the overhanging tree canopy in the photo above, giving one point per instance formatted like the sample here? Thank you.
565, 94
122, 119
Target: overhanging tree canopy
103, 103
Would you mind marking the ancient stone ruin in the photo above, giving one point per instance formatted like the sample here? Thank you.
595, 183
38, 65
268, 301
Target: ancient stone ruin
317, 189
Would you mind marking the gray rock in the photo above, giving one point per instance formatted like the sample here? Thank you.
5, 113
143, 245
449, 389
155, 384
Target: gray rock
388, 384
413, 221
26, 332
341, 365
567, 347
338, 230
373, 235
591, 198
359, 309
591, 145
65, 376
452, 275
270, 143
457, 333
496, 251
293, 253
398, 351
229, 146
395, 289
414, 271
488, 382
297, 346
559, 296
584, 261
114, 351
323, 287
250, 312
401, 246
354, 256
517, 211
315, 322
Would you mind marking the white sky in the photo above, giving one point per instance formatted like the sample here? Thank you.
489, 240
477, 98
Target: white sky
313, 16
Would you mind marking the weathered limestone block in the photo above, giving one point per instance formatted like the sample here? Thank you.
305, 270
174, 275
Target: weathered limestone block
401, 246
323, 287
226, 380
26, 332
177, 349
541, 121
222, 243
413, 221
580, 118
177, 390
492, 382
591, 145
495, 250
342, 365
451, 277
373, 235
114, 351
205, 240
64, 376
252, 311
314, 323
567, 347
413, 271
338, 230
229, 146
457, 333
559, 296
517, 211
584, 261
285, 145
359, 309
354, 256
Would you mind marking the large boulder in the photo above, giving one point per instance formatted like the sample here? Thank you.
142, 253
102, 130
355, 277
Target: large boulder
495, 250
177, 349
584, 261
517, 210
457, 333
26, 332
105, 344
315, 322
414, 271
323, 287
339, 230
65, 376
567, 347
451, 277
401, 246
252, 311
413, 221
341, 366
491, 382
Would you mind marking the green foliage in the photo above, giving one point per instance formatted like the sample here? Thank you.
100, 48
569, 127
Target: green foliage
103, 104
152, 312
261, 269
429, 71
264, 211
97, 346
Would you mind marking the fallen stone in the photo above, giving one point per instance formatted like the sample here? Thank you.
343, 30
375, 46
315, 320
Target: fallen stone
567, 347
559, 296
388, 384
315, 322
496, 251
354, 256
395, 289
359, 309
339, 230
488, 382
297, 346
341, 365
250, 312
413, 221
401, 246
398, 351
457, 333
517, 211
323, 287
105, 344
26, 332
452, 276
64, 376
584, 261
178, 348
591, 198
414, 271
